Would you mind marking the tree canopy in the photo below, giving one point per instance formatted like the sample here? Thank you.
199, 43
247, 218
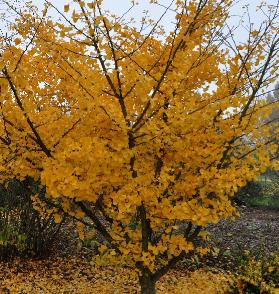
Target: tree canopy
140, 131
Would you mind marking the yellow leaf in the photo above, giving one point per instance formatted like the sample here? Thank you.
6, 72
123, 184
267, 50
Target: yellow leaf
66, 7
57, 218
17, 41
79, 214
91, 31
90, 5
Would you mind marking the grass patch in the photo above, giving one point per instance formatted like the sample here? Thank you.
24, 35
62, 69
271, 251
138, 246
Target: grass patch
270, 202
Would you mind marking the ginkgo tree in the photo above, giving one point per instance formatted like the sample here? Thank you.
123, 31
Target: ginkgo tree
135, 129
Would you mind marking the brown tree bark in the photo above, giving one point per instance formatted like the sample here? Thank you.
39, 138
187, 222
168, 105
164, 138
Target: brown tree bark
147, 283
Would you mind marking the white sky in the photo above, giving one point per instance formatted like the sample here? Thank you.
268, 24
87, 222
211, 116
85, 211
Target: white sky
121, 6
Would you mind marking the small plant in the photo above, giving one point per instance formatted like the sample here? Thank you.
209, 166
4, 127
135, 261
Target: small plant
23, 229
11, 239
258, 273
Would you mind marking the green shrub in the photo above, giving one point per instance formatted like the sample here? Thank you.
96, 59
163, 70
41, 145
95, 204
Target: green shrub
259, 273
23, 230
263, 193
11, 239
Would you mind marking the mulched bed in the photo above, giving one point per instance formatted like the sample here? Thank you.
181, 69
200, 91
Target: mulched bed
255, 229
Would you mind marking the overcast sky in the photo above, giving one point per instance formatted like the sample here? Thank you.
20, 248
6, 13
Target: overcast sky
120, 6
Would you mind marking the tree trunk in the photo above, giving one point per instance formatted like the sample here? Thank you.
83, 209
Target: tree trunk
147, 284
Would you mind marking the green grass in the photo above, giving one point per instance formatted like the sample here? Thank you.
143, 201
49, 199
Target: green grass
271, 202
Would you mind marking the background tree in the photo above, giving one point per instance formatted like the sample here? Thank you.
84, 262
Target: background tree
265, 188
273, 118
139, 130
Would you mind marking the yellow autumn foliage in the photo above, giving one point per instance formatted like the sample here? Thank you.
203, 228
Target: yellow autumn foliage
146, 134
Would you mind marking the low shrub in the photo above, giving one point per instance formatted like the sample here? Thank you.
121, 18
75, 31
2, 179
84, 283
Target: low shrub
259, 273
261, 193
23, 229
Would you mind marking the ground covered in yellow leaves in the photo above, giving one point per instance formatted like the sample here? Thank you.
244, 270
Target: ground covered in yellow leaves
77, 276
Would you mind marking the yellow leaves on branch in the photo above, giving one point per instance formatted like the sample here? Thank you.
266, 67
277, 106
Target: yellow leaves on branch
91, 31
148, 133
